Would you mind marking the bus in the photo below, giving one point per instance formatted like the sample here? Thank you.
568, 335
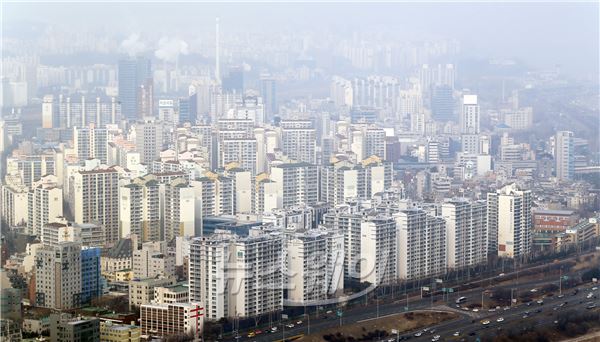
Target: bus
461, 300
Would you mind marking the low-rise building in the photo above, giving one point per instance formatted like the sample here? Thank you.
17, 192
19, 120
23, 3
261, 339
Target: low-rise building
65, 328
111, 332
141, 291
171, 319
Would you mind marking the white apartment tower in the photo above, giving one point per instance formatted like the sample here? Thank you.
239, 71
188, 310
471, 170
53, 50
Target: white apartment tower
466, 232
45, 204
95, 198
149, 140
378, 251
509, 221
298, 141
141, 208
564, 155
91, 143
315, 262
237, 276
421, 244
297, 183
179, 218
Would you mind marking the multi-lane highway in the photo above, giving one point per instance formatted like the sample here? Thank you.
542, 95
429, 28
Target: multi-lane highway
468, 325
487, 322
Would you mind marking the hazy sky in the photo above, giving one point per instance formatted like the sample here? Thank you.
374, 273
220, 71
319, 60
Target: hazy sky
543, 34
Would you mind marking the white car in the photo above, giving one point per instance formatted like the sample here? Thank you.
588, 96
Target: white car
456, 334
486, 322
533, 290
475, 310
594, 288
500, 319
418, 333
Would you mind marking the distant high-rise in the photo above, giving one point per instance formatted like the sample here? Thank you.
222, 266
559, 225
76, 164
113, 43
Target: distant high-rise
145, 99
442, 104
234, 81
268, 91
132, 74
563, 155
470, 117
188, 109
149, 140
90, 143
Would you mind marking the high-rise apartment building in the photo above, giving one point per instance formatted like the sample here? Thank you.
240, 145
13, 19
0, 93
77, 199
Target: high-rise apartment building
298, 140
237, 276
297, 183
564, 155
90, 143
466, 232
421, 244
242, 152
149, 140
140, 208
95, 198
378, 251
315, 262
509, 216
45, 204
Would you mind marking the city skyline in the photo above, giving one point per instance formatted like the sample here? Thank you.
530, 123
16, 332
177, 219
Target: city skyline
264, 171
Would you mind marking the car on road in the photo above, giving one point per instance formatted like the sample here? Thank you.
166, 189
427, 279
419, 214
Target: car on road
298, 322
533, 290
594, 288
251, 334
540, 302
492, 310
500, 319
418, 334
258, 332
475, 310
436, 338
590, 306
590, 295
560, 296
273, 329
485, 322
291, 325
456, 334
525, 315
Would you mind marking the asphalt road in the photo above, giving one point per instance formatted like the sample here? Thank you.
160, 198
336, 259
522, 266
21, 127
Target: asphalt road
464, 324
540, 315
